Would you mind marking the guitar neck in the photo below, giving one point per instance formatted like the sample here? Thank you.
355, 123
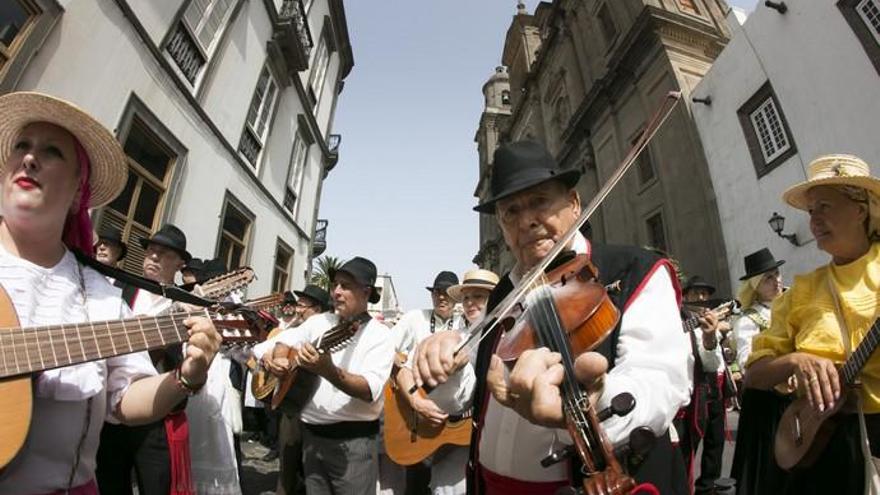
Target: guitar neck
340, 333
857, 360
29, 350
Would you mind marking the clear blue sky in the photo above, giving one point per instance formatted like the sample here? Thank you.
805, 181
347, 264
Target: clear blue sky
402, 192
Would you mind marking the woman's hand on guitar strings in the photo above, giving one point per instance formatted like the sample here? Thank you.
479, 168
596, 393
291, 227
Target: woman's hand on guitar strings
429, 410
203, 343
817, 379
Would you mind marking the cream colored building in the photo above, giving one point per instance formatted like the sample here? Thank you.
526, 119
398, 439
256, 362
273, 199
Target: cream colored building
584, 77
224, 107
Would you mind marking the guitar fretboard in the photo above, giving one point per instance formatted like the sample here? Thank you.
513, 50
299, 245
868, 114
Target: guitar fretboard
32, 349
857, 360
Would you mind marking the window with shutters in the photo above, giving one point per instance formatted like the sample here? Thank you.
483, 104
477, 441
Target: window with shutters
299, 157
259, 117
656, 232
235, 231
319, 65
283, 263
17, 19
766, 131
138, 210
869, 11
194, 39
863, 17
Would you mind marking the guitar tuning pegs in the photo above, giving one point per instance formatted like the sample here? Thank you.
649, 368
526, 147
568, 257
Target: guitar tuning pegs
621, 405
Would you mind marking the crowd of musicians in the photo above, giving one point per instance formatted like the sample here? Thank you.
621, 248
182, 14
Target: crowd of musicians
468, 404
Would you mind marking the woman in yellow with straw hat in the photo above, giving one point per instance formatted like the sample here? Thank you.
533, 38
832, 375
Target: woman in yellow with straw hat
824, 316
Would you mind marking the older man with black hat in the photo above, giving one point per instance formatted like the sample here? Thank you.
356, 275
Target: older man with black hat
110, 248
703, 419
154, 450
414, 327
517, 420
341, 421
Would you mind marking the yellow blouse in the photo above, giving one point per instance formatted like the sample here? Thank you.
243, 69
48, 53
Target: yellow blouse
804, 318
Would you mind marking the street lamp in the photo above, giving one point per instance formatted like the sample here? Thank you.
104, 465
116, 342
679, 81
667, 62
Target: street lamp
777, 6
777, 223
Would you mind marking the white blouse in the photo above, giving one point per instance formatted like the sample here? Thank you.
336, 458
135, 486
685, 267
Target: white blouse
70, 404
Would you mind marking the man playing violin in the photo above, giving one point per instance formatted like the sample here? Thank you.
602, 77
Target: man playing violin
517, 415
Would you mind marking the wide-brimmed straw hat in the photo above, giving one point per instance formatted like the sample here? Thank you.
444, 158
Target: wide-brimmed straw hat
833, 170
476, 278
108, 171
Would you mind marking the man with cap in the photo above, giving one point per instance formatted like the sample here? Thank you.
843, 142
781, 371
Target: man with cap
414, 327
154, 450
517, 418
704, 417
110, 248
340, 423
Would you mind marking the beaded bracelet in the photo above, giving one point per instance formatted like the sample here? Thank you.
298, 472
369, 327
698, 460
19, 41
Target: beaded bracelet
185, 385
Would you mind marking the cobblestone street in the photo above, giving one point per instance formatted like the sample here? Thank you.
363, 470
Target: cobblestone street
257, 477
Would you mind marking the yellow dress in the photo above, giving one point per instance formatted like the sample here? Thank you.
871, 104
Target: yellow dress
804, 319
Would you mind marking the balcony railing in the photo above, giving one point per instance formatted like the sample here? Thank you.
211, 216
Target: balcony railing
186, 53
320, 243
292, 35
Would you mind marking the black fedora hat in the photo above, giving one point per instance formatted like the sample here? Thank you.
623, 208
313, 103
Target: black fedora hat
698, 282
171, 237
761, 261
210, 269
317, 294
443, 281
289, 299
520, 165
113, 236
363, 271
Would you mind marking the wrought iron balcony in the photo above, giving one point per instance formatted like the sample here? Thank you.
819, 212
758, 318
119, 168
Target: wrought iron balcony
333, 142
320, 243
292, 36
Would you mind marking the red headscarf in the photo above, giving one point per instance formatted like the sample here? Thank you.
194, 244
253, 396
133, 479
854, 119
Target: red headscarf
78, 227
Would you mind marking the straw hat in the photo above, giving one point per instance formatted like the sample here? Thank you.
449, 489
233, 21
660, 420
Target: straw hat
830, 170
478, 278
108, 164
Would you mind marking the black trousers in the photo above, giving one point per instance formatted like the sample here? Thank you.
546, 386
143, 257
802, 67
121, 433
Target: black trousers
142, 448
710, 414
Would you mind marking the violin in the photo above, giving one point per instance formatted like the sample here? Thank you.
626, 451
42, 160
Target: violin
567, 310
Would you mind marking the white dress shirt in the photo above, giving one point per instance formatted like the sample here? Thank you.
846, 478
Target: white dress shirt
744, 330
68, 400
415, 326
712, 359
370, 354
653, 363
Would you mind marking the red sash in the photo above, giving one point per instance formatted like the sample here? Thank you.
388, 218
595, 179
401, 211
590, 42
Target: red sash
177, 432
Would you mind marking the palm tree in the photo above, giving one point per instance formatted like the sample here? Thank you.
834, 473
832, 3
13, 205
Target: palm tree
322, 268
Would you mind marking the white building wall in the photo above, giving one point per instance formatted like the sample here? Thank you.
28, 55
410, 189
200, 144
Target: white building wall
830, 95
95, 57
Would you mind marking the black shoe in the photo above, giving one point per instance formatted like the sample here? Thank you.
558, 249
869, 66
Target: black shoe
270, 456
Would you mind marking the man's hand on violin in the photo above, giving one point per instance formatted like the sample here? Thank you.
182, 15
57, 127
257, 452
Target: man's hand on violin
532, 389
319, 363
428, 410
435, 359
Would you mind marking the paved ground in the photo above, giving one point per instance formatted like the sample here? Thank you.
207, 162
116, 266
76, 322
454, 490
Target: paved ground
257, 477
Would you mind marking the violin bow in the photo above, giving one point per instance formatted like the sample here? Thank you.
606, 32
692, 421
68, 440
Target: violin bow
485, 326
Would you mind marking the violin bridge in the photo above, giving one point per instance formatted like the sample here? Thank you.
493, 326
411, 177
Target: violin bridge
613, 286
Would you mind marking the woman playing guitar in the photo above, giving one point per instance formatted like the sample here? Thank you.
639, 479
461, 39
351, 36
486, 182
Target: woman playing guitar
57, 163
818, 323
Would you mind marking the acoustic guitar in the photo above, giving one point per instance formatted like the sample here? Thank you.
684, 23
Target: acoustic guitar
263, 383
409, 439
297, 388
803, 431
25, 351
